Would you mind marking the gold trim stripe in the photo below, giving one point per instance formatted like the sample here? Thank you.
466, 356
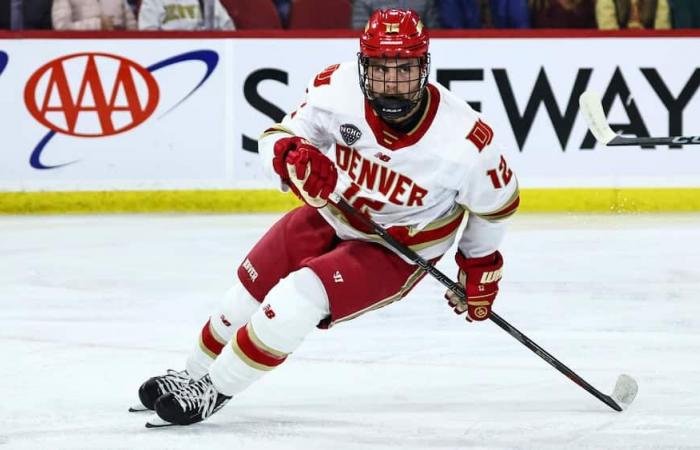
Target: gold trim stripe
262, 346
204, 348
451, 215
215, 335
377, 239
276, 128
249, 362
477, 303
425, 114
584, 200
424, 245
500, 217
513, 198
396, 138
410, 281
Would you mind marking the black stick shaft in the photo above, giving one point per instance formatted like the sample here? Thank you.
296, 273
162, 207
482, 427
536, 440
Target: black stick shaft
678, 140
457, 288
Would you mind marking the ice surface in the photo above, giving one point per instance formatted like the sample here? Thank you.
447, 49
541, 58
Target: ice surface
91, 306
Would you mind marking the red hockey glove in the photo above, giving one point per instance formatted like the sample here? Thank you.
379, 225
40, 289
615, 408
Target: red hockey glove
281, 148
479, 277
307, 171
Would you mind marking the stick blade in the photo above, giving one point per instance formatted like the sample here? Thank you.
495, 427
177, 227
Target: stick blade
625, 391
592, 111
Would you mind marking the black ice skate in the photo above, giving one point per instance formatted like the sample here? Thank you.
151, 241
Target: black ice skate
154, 387
190, 404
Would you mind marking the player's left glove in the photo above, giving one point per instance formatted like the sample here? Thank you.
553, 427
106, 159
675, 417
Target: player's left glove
479, 277
310, 174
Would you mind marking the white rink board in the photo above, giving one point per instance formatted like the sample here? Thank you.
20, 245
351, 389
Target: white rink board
198, 144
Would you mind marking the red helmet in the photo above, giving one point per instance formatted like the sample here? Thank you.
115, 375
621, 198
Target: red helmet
394, 33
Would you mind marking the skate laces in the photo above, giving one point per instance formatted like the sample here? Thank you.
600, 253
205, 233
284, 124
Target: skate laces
199, 396
173, 380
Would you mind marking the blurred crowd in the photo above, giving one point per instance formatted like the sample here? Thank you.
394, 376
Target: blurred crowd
340, 14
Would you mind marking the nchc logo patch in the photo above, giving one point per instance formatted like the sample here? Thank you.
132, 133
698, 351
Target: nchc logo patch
95, 94
350, 133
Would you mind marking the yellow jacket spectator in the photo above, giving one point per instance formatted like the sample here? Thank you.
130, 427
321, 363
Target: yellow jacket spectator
92, 15
618, 14
183, 15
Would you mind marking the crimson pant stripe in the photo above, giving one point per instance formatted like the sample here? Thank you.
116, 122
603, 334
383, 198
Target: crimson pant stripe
210, 341
254, 352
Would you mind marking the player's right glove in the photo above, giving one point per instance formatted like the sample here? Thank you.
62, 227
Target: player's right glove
479, 277
310, 174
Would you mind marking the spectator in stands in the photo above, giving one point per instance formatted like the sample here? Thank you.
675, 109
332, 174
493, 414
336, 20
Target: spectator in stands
483, 13
685, 13
509, 14
283, 9
5, 15
92, 15
25, 15
362, 9
187, 15
618, 14
36, 14
134, 5
562, 13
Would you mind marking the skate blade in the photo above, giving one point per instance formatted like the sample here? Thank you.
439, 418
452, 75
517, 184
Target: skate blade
138, 408
157, 422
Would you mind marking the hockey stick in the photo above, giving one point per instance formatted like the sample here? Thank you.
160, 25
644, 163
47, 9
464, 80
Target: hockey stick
592, 110
625, 388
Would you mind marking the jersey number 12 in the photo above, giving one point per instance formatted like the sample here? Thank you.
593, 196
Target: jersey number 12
500, 177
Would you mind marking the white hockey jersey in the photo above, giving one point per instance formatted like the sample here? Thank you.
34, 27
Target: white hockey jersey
417, 184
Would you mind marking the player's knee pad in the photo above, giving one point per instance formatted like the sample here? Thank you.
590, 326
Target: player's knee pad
235, 309
290, 311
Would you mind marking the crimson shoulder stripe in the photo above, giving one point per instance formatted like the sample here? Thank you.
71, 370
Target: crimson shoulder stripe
507, 211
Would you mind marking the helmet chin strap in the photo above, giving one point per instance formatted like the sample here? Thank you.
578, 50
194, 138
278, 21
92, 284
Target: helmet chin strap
392, 108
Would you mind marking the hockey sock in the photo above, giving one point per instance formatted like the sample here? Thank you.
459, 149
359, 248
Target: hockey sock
235, 309
291, 310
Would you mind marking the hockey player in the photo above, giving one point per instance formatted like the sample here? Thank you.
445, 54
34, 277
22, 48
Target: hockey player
406, 152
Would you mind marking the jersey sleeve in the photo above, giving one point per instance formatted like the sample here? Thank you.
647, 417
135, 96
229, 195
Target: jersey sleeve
308, 121
490, 193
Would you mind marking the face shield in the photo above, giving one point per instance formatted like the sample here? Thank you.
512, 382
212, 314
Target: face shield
393, 86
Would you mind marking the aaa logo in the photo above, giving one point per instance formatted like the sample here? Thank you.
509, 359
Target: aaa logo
89, 95
97, 105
